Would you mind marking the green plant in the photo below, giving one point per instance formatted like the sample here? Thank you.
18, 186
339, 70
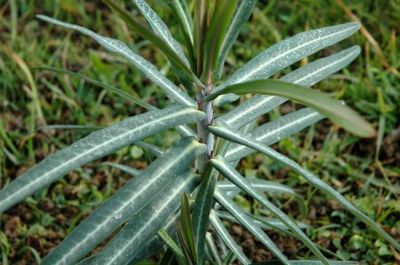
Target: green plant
151, 200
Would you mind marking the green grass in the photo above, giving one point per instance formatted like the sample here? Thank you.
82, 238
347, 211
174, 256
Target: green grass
366, 171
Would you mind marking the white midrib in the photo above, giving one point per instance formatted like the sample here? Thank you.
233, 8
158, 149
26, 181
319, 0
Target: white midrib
234, 118
126, 203
26, 187
251, 72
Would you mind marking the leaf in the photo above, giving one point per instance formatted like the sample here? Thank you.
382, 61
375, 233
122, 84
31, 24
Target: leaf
221, 17
147, 34
237, 137
240, 17
229, 172
275, 130
227, 238
337, 112
94, 146
248, 222
289, 51
155, 150
149, 70
130, 170
129, 200
212, 247
308, 262
199, 31
185, 231
143, 226
201, 209
261, 185
173, 246
307, 75
159, 27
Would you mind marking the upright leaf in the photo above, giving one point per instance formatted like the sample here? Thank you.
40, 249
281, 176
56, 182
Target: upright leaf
242, 14
143, 226
199, 31
94, 146
129, 200
337, 112
307, 75
142, 64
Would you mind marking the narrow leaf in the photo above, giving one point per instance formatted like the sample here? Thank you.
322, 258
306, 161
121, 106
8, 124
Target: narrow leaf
237, 137
248, 222
213, 248
143, 226
337, 112
242, 14
169, 241
227, 238
142, 64
94, 146
199, 31
159, 27
186, 229
130, 170
307, 76
129, 200
225, 168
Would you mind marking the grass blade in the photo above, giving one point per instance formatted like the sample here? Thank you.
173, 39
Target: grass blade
240, 138
129, 200
242, 14
307, 76
92, 147
225, 169
159, 27
117, 46
337, 112
227, 238
143, 226
248, 222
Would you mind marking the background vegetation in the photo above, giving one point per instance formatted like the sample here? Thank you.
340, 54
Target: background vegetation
367, 171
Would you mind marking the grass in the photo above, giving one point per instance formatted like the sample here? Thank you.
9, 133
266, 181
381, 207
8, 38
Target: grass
366, 171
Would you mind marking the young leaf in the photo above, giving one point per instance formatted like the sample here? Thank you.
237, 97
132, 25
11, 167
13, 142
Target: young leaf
307, 76
288, 52
186, 231
169, 241
235, 136
242, 14
199, 31
340, 114
143, 226
228, 171
94, 146
227, 238
122, 49
129, 200
159, 27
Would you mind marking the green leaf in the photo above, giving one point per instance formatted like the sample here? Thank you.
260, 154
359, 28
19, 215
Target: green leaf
212, 247
249, 223
92, 147
340, 114
147, 34
199, 31
129, 200
289, 51
159, 27
143, 226
242, 14
142, 64
186, 231
221, 17
229, 172
237, 137
275, 130
308, 262
227, 238
130, 170
307, 76
169, 241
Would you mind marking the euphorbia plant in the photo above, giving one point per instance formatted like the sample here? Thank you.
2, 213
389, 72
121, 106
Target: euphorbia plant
202, 163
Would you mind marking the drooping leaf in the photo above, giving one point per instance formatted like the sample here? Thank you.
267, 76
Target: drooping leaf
235, 136
227, 238
276, 130
289, 51
337, 112
306, 75
129, 200
149, 70
225, 168
94, 146
159, 27
144, 225
242, 14
248, 222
